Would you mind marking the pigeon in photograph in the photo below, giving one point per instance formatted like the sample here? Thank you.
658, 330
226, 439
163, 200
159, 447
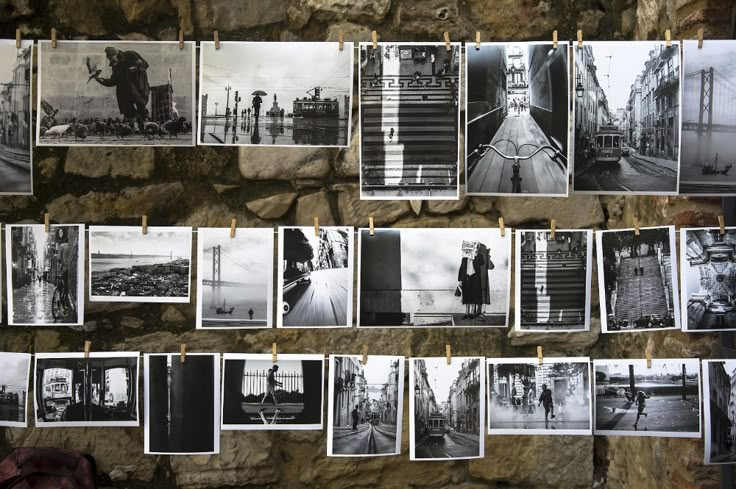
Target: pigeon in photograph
94, 72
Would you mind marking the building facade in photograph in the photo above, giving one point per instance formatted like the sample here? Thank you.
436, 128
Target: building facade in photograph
722, 416
463, 403
15, 99
350, 389
425, 403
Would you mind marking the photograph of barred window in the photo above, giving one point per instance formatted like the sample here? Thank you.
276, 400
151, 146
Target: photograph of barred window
708, 265
633, 399
434, 277
517, 105
409, 121
637, 278
719, 404
627, 117
116, 93
262, 394
16, 131
553, 280
708, 118
529, 398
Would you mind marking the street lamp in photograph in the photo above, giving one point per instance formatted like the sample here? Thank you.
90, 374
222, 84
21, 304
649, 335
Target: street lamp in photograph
579, 89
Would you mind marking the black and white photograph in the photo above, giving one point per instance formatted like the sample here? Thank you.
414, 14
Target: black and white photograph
409, 121
14, 371
428, 277
116, 93
101, 390
632, 399
719, 391
529, 398
627, 117
259, 393
446, 408
708, 118
126, 265
16, 130
517, 119
234, 278
315, 277
45, 274
553, 280
304, 89
365, 406
708, 267
637, 279
182, 403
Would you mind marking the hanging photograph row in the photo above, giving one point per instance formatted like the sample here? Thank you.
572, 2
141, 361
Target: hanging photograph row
640, 122
188, 401
459, 277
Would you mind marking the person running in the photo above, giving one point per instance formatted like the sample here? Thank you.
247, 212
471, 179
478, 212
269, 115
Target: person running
271, 384
641, 403
546, 398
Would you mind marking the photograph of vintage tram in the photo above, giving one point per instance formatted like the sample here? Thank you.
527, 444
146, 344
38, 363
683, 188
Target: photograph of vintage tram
708, 266
529, 398
517, 119
315, 277
637, 279
101, 390
182, 403
45, 274
234, 278
275, 94
365, 406
633, 399
553, 280
627, 117
446, 408
262, 394
409, 121
14, 371
719, 404
16, 131
708, 119
434, 277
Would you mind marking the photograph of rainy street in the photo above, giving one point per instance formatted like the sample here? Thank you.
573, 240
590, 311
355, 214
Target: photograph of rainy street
627, 117
517, 107
365, 405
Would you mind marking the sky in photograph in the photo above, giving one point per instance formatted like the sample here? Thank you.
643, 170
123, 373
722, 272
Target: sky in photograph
135, 242
376, 373
716, 54
286, 69
13, 372
246, 258
658, 368
617, 65
8, 57
440, 375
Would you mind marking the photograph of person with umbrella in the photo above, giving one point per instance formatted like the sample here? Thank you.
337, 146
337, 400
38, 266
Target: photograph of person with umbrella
310, 85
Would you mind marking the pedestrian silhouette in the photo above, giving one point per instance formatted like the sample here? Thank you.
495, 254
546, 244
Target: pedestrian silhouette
250, 314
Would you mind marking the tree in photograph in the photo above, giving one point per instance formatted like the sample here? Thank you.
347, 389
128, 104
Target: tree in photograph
296, 248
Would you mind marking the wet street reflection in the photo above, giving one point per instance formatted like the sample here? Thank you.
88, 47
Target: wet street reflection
32, 303
287, 131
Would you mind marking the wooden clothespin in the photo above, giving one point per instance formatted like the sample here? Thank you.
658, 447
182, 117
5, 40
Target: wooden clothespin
552, 226
53, 37
636, 227
447, 41
501, 227
274, 352
554, 39
181, 39
370, 225
374, 37
233, 223
649, 357
540, 358
448, 352
668, 38
183, 353
17, 39
700, 38
87, 348
217, 40
477, 40
722, 225
341, 40
316, 226
365, 354
144, 224
46, 224
580, 39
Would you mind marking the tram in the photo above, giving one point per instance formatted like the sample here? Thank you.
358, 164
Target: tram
315, 107
607, 144
436, 425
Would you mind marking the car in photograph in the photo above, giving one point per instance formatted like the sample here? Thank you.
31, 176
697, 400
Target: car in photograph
625, 150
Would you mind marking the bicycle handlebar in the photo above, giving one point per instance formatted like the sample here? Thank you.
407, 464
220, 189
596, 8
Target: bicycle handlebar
557, 153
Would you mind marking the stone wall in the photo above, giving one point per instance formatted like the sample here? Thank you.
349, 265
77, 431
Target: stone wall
267, 187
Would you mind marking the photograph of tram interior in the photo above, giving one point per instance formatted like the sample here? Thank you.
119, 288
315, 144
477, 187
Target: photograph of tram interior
80, 390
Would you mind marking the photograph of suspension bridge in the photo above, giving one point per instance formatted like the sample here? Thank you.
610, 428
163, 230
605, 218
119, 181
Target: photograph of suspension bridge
708, 119
627, 117
234, 278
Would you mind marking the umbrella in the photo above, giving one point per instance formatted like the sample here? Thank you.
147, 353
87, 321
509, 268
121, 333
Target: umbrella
259, 92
